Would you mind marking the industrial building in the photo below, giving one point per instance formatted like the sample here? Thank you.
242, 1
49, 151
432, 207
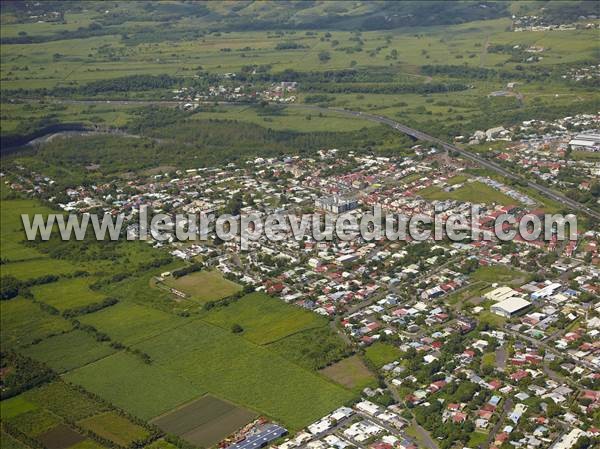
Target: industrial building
510, 307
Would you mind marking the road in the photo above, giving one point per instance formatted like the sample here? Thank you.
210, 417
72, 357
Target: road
549, 193
419, 135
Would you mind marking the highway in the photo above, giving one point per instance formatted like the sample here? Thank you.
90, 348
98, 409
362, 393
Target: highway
419, 135
549, 193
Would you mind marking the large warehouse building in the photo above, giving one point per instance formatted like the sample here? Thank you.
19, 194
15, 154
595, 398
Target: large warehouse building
510, 307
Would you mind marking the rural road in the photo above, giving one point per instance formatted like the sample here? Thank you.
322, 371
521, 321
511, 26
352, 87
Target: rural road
419, 135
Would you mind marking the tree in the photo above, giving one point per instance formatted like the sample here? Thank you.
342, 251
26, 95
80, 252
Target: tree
237, 329
324, 56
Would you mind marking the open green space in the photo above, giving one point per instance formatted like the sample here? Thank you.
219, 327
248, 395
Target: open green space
500, 273
380, 354
351, 373
264, 319
473, 192
204, 285
68, 351
231, 367
22, 322
115, 428
130, 323
68, 293
125, 380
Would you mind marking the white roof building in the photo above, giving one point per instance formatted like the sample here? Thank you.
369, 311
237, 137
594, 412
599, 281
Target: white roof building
510, 307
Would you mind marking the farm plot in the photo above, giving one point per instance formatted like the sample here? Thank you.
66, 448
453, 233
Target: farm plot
60, 437
63, 400
67, 294
143, 390
115, 428
264, 319
33, 268
204, 286
205, 421
68, 351
350, 372
22, 322
237, 370
130, 323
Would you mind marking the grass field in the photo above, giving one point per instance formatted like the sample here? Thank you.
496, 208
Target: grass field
382, 353
296, 119
115, 428
68, 293
473, 192
264, 319
351, 373
205, 286
68, 351
205, 421
23, 322
500, 273
125, 381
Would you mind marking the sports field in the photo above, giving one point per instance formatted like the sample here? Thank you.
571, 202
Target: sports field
204, 286
205, 421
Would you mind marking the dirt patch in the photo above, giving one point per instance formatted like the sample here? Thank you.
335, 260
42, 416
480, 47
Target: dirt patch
60, 437
205, 421
350, 372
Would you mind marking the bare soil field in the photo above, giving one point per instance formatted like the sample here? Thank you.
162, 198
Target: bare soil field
205, 421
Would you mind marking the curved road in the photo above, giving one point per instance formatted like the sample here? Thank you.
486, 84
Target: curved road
549, 193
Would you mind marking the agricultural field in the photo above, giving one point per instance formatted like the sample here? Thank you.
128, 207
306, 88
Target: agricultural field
205, 421
24, 322
68, 351
232, 368
125, 380
115, 428
351, 373
204, 286
130, 323
264, 319
67, 294
61, 437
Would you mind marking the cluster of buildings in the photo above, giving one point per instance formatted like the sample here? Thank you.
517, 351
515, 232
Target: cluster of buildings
481, 354
538, 23
283, 92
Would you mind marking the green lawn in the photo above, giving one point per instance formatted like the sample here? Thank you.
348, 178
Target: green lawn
382, 353
204, 286
264, 319
499, 273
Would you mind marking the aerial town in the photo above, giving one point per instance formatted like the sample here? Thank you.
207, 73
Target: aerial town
487, 338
